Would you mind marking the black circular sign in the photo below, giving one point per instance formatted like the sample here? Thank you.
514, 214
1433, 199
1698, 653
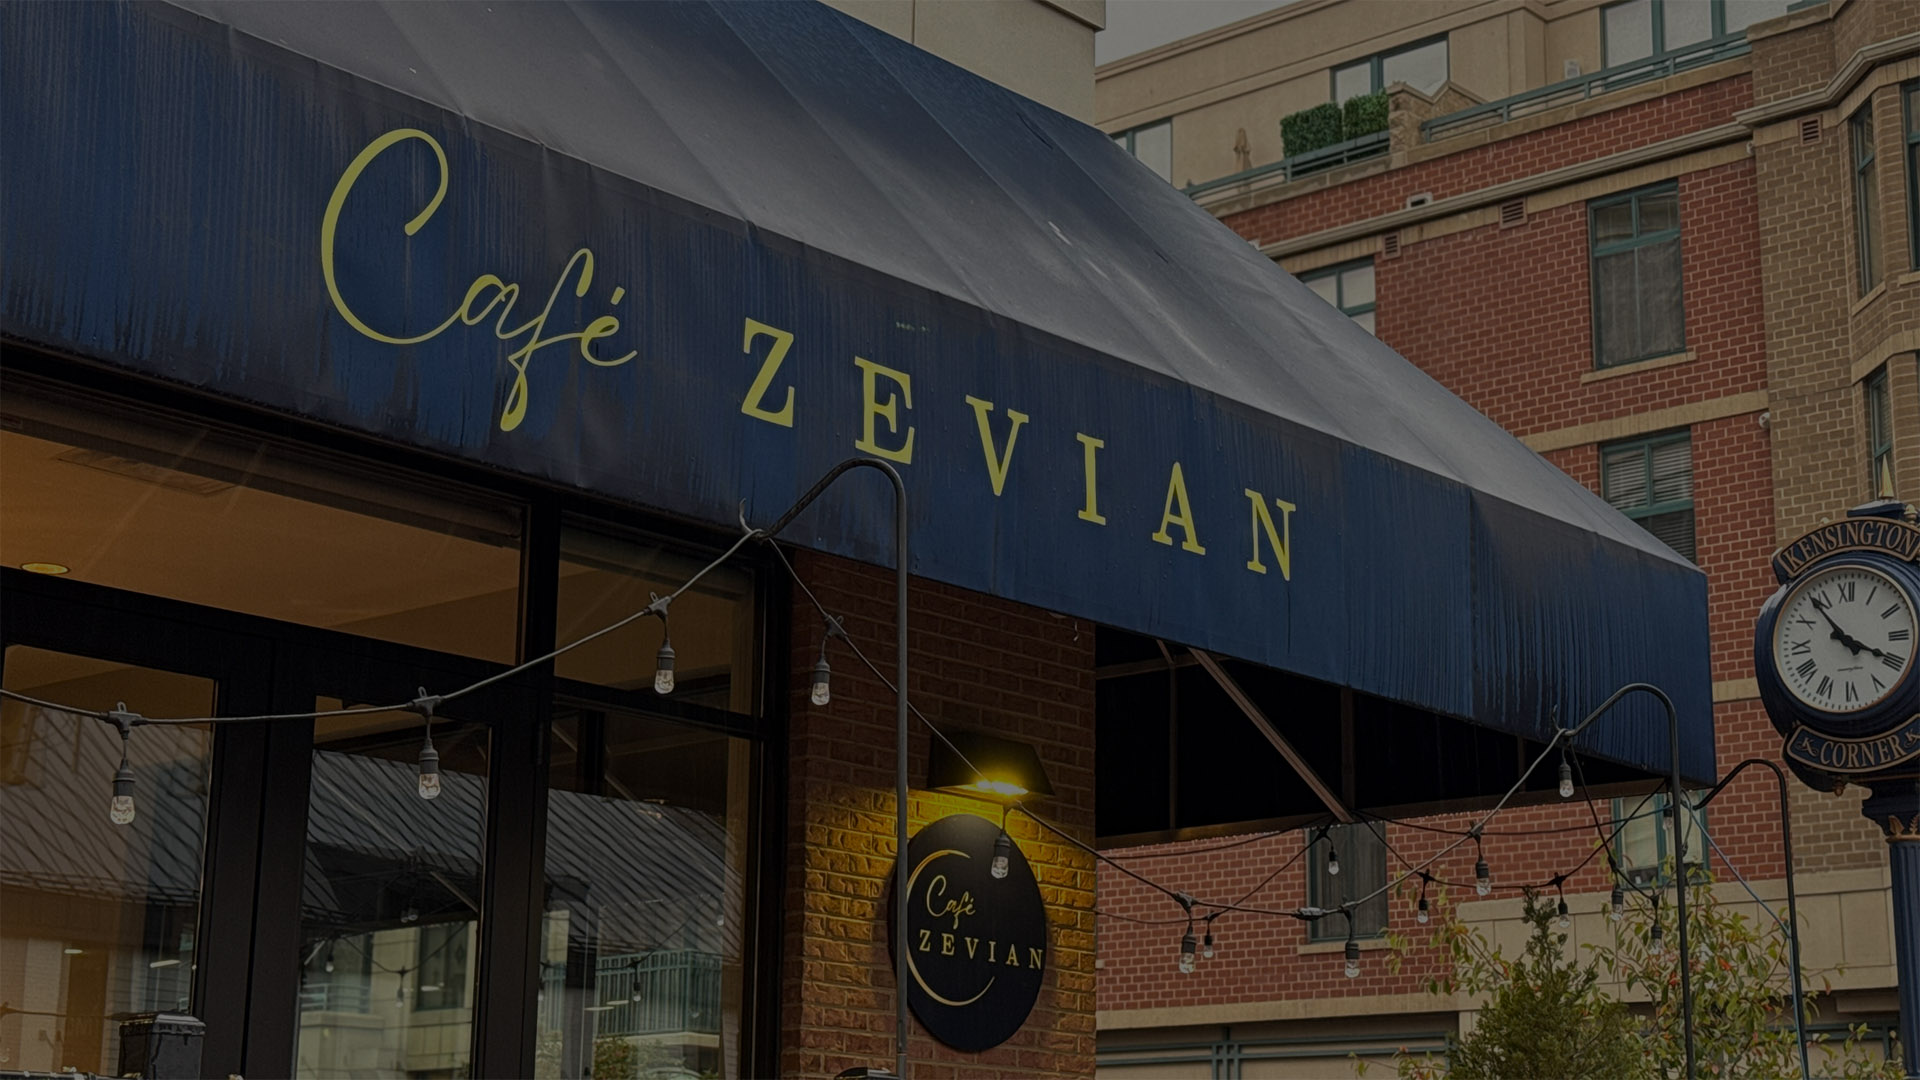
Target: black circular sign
976, 944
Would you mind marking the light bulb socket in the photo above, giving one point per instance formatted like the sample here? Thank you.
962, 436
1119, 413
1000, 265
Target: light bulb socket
822, 681
1617, 902
1353, 958
1206, 945
1566, 780
1482, 877
1423, 913
123, 780
429, 771
663, 660
1186, 953
1002, 856
1566, 918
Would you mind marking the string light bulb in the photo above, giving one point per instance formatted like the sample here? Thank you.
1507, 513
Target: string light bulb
1186, 952
663, 666
1566, 917
329, 964
1659, 934
1566, 780
1353, 952
1333, 863
822, 679
429, 786
1420, 911
1206, 941
1482, 874
1617, 904
120, 810
1002, 855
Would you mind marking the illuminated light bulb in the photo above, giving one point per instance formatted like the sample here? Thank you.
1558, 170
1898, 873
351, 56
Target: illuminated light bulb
1482, 877
1566, 780
429, 771
1566, 919
329, 959
1617, 908
1186, 954
1353, 959
663, 669
1333, 864
120, 811
1002, 856
1421, 914
822, 682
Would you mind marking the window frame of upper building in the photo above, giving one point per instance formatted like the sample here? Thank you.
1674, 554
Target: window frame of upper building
1360, 845
1376, 67
1129, 140
1877, 397
1635, 819
1656, 34
1910, 112
1866, 196
1639, 237
1360, 311
1648, 508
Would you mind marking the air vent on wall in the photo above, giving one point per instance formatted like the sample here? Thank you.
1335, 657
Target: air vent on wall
1390, 245
1809, 129
1513, 212
1421, 199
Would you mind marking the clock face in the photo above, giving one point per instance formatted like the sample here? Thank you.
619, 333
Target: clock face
1844, 639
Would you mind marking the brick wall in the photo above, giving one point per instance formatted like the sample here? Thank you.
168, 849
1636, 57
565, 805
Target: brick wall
977, 662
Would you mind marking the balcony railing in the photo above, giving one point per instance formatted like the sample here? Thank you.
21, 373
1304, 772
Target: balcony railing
1580, 88
650, 994
1298, 165
335, 995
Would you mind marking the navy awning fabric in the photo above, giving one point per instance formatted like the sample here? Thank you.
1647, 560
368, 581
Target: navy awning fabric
816, 239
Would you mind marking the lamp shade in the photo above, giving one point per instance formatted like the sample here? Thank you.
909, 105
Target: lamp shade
977, 764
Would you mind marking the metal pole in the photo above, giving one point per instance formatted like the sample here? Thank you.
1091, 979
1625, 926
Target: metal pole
1675, 795
1793, 903
900, 727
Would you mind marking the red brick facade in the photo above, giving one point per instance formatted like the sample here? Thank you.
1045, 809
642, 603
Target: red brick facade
978, 663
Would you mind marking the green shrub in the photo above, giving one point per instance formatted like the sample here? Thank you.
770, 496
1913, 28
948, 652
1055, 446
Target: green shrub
1365, 115
1311, 129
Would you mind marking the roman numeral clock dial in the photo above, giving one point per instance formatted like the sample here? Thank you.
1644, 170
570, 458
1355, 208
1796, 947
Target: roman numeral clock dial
1844, 639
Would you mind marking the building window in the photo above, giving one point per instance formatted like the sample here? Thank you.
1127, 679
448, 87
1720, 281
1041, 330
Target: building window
1910, 98
1640, 29
1363, 871
1879, 435
1651, 481
1348, 287
1635, 245
1866, 199
1643, 846
1422, 65
441, 966
1152, 144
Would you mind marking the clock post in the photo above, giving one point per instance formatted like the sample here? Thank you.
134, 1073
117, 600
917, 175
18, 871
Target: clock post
1834, 653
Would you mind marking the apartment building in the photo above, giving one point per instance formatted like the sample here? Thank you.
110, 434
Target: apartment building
1674, 245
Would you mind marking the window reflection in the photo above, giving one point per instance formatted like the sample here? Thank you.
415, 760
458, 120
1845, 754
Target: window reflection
99, 919
604, 580
390, 902
181, 510
642, 940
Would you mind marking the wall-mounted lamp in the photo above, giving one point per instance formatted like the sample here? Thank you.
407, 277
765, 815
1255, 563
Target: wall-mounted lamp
999, 769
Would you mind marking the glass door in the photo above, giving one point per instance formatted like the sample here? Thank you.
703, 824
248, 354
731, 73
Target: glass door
101, 909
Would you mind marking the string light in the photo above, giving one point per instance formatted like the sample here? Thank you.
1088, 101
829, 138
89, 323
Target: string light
1333, 853
429, 757
822, 679
1421, 913
1617, 904
1566, 776
1559, 886
1002, 844
1352, 951
120, 810
1186, 952
1658, 935
329, 964
1206, 942
1482, 874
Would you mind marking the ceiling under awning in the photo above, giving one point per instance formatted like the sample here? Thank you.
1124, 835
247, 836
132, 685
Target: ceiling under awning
804, 239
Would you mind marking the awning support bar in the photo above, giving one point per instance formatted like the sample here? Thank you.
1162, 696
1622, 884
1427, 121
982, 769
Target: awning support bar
1279, 741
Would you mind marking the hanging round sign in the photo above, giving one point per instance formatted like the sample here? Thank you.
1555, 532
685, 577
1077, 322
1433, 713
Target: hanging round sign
976, 944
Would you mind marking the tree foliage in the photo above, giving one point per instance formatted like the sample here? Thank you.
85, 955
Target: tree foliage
1553, 1011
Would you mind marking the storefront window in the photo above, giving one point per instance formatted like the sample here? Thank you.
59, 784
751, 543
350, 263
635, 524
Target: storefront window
643, 940
99, 919
180, 510
390, 899
604, 580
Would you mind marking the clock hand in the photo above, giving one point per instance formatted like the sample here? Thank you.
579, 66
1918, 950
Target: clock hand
1839, 635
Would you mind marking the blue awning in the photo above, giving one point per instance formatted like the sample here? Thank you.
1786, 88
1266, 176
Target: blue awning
766, 237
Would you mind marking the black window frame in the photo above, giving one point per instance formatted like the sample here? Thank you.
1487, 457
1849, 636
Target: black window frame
1596, 251
255, 843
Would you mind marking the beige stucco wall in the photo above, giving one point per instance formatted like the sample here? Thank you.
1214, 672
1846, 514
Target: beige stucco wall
1249, 74
1040, 48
